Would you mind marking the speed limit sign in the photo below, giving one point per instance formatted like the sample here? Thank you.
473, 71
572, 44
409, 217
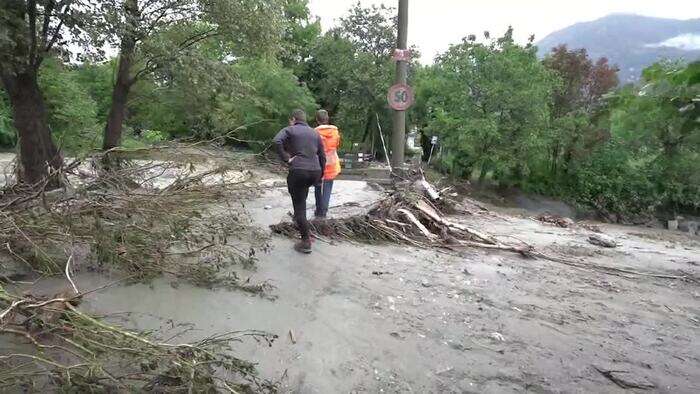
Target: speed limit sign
400, 97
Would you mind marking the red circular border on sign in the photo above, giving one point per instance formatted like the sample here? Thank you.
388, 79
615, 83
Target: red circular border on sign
397, 105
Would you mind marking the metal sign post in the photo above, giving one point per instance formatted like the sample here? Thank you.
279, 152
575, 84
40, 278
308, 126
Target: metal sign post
381, 135
433, 142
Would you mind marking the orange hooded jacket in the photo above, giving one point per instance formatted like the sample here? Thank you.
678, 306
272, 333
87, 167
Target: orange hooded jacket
330, 135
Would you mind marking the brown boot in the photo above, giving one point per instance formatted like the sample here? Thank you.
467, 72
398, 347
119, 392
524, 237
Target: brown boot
303, 246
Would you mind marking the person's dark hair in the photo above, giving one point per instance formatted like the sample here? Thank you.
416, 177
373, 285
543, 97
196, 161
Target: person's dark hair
322, 116
298, 115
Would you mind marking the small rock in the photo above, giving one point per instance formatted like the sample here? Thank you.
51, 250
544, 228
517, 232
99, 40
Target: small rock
425, 283
445, 371
602, 240
268, 207
497, 336
673, 225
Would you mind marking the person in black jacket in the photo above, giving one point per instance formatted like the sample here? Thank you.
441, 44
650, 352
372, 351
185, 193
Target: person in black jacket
301, 148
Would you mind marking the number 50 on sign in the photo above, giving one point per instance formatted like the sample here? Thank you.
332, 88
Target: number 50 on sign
400, 97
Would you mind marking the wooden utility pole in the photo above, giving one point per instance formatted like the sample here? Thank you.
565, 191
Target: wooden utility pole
398, 137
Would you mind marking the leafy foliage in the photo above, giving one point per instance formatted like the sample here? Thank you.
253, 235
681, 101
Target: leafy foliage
72, 112
490, 104
275, 92
350, 70
559, 127
660, 125
302, 30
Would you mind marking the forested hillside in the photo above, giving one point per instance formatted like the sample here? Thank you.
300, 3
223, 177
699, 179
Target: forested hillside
559, 126
633, 42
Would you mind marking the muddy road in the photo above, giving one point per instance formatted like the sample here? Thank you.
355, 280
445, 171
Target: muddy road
358, 318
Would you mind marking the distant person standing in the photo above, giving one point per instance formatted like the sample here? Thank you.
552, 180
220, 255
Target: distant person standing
300, 147
330, 135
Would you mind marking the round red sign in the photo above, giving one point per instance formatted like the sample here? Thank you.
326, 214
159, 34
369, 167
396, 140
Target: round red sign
400, 97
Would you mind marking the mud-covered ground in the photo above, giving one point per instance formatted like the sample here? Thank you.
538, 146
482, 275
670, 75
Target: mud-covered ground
358, 318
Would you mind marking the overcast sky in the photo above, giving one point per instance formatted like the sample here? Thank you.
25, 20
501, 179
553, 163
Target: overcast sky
434, 24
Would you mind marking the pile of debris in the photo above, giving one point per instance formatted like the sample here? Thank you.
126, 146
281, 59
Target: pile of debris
412, 214
144, 219
140, 220
79, 353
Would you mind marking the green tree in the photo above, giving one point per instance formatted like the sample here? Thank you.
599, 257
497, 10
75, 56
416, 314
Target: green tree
153, 33
301, 33
350, 70
490, 104
72, 113
76, 99
95, 78
212, 99
579, 106
274, 93
660, 124
30, 30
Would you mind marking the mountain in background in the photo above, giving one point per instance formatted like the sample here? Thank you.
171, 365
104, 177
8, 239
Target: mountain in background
632, 42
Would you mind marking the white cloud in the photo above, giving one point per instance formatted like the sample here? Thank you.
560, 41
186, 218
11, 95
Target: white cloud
687, 42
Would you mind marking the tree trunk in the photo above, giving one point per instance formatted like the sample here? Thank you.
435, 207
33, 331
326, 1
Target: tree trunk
120, 96
37, 152
368, 126
570, 152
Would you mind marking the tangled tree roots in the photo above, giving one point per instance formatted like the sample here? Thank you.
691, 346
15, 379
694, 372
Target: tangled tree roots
405, 217
80, 353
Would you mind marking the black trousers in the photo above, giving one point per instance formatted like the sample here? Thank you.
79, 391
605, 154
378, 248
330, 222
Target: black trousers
298, 184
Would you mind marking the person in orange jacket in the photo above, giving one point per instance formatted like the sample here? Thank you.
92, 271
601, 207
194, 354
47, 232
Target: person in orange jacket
330, 136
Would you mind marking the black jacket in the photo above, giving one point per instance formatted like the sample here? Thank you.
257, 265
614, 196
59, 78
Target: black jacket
303, 145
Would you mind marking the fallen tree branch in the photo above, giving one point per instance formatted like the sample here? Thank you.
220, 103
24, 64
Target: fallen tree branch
418, 224
144, 363
75, 288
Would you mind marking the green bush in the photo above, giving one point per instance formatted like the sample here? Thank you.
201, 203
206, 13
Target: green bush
153, 136
611, 180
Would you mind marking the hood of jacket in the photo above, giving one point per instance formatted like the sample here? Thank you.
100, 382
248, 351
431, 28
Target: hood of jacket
327, 130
